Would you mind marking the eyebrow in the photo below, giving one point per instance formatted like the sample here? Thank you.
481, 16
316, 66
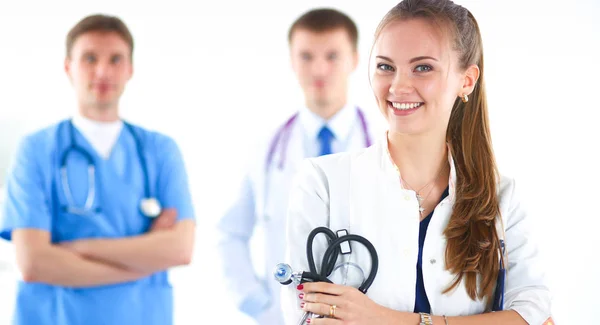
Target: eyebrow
418, 58
384, 58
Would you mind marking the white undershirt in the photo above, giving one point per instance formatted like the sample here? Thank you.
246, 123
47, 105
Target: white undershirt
101, 135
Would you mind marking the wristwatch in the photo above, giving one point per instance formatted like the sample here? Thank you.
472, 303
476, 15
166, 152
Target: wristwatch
425, 319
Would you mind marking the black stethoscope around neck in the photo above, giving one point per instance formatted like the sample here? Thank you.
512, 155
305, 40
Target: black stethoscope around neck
149, 206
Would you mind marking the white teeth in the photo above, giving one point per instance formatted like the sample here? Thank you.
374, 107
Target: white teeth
405, 106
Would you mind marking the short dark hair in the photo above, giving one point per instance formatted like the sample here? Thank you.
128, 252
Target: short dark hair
102, 23
325, 19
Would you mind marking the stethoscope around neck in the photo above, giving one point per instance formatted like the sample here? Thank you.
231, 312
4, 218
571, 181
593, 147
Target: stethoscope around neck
280, 142
149, 206
282, 138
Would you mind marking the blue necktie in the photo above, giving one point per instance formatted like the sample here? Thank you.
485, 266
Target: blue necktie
325, 137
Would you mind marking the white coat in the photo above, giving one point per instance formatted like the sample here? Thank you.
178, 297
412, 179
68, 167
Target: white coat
361, 192
261, 206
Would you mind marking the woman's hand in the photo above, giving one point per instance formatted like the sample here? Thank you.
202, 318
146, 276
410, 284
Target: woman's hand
343, 305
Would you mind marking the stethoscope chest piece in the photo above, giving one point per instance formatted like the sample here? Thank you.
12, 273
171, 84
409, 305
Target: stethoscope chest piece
150, 207
348, 274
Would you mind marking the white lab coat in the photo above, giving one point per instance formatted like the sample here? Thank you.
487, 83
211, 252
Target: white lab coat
361, 192
262, 203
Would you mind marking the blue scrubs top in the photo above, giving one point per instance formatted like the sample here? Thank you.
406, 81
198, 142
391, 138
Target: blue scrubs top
421, 300
36, 200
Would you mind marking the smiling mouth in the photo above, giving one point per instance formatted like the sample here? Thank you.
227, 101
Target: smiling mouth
405, 106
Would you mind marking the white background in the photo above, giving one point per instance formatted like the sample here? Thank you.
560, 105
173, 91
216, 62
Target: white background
225, 62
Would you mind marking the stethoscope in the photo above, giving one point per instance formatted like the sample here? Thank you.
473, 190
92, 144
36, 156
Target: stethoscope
281, 141
149, 206
283, 136
337, 244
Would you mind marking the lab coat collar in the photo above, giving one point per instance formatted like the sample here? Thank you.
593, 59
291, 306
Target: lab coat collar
340, 124
389, 168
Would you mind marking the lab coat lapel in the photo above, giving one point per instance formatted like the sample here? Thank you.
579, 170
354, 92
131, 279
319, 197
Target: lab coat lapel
277, 184
280, 176
391, 206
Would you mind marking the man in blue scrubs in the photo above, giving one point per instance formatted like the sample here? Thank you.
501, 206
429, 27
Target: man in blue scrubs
88, 249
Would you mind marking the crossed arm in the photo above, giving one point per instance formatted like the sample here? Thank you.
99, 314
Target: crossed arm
93, 262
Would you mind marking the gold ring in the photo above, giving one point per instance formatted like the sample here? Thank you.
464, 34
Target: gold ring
332, 311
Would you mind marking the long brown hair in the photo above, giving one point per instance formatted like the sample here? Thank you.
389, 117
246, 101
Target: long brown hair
472, 249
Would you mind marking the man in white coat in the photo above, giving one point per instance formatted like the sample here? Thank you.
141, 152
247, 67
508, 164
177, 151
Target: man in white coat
323, 49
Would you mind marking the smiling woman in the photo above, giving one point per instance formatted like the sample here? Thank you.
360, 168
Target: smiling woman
216, 76
429, 189
416, 77
422, 70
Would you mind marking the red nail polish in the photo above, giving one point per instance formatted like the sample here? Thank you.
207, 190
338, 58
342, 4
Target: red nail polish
308, 321
301, 296
301, 305
300, 287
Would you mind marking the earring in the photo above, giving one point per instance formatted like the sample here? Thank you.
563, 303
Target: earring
465, 98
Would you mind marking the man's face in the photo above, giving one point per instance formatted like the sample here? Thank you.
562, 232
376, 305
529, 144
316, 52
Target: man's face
99, 66
323, 63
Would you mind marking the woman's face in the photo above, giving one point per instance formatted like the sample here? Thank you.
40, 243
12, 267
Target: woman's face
416, 77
